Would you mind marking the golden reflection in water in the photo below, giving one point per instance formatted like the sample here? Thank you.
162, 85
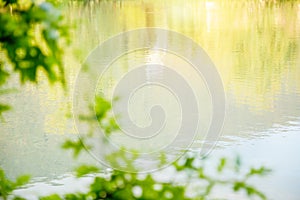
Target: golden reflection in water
255, 46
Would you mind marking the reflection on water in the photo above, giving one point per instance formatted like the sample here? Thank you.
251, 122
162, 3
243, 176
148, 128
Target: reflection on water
255, 46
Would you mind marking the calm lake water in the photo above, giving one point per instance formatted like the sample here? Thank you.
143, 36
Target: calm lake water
254, 46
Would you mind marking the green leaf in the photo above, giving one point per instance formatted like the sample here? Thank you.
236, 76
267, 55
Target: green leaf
102, 106
258, 171
3, 74
4, 108
77, 146
221, 164
7, 186
18, 198
238, 185
86, 169
51, 197
22, 180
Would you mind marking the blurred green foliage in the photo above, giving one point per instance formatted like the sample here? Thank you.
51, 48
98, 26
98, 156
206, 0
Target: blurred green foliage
119, 185
99, 112
30, 34
3, 77
33, 37
7, 186
122, 185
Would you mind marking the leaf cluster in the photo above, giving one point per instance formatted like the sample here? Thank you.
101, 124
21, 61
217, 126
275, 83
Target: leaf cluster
7, 186
32, 37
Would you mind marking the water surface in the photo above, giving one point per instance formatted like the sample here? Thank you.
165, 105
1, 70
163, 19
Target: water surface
255, 47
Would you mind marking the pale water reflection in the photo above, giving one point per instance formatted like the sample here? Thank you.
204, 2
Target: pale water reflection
255, 46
